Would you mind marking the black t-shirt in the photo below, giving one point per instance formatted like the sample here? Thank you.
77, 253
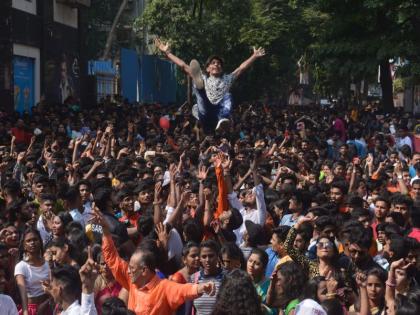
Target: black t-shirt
117, 229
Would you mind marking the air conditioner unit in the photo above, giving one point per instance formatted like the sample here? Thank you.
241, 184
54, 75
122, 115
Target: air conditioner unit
75, 3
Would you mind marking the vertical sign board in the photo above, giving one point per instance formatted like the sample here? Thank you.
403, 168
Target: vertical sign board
24, 85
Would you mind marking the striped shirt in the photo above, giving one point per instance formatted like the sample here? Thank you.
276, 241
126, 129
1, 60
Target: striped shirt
204, 305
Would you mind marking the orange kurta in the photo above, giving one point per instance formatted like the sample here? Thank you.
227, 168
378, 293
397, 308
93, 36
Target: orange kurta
222, 200
158, 297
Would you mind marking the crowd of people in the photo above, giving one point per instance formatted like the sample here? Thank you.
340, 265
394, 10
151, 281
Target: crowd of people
282, 211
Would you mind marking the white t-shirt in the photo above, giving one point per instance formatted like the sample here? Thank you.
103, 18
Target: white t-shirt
33, 277
217, 87
87, 212
175, 245
45, 235
8, 307
77, 216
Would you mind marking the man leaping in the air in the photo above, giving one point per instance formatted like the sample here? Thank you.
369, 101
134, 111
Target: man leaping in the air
212, 89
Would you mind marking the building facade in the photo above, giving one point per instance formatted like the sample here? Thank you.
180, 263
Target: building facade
41, 52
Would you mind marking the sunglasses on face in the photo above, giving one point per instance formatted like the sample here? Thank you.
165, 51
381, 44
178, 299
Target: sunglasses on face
326, 245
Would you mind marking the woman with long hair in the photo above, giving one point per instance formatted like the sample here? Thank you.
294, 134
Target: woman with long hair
287, 283
30, 272
232, 257
256, 264
191, 261
237, 295
326, 252
59, 225
375, 286
59, 252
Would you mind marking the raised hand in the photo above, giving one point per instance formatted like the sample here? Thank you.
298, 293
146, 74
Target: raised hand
331, 283
124, 152
162, 46
369, 160
88, 273
46, 286
226, 163
400, 264
304, 219
162, 233
182, 157
97, 164
254, 164
361, 280
99, 219
216, 225
202, 173
207, 194
48, 219
259, 52
218, 160
158, 191
398, 169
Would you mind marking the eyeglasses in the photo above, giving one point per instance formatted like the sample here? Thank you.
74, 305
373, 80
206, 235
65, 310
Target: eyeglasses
326, 245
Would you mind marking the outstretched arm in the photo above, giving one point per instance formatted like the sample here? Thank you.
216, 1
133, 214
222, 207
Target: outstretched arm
258, 53
165, 48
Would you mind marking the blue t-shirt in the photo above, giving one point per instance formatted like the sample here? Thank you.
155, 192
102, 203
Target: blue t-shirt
272, 261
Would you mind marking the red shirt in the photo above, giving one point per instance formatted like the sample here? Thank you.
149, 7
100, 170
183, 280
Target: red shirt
415, 233
132, 219
21, 135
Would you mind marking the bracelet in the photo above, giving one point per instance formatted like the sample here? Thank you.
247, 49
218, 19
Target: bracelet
331, 295
391, 284
155, 203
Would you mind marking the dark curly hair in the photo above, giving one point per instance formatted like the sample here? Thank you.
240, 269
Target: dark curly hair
237, 295
295, 280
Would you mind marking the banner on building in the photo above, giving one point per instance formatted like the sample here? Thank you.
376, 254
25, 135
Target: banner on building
24, 84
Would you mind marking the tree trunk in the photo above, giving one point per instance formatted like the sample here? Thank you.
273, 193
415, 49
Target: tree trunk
200, 12
386, 85
111, 33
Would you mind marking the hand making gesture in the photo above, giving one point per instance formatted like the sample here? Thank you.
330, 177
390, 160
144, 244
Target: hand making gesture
259, 52
162, 46
88, 273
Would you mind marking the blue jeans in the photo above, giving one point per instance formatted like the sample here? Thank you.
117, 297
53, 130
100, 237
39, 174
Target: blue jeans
209, 113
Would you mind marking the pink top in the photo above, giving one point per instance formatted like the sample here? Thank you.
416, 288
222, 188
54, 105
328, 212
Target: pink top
105, 293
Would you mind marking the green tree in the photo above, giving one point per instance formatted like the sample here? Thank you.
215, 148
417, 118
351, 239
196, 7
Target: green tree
351, 38
198, 29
